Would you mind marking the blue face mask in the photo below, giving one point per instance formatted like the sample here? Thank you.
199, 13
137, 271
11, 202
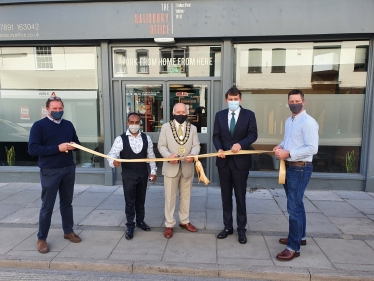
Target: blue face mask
233, 105
57, 115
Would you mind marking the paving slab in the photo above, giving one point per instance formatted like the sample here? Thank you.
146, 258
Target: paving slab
15, 187
182, 248
146, 245
154, 217
113, 202
79, 188
90, 198
104, 218
356, 195
79, 213
327, 195
346, 251
259, 194
278, 192
365, 206
55, 240
215, 203
24, 215
199, 191
339, 275
198, 219
22, 198
101, 188
337, 209
96, 244
255, 252
155, 201
18, 235
370, 243
263, 206
319, 223
265, 223
354, 226
198, 204
3, 183
214, 219
34, 187
6, 210
371, 217
311, 256
5, 195
215, 191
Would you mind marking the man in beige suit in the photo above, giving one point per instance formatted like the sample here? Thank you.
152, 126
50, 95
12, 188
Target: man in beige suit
178, 138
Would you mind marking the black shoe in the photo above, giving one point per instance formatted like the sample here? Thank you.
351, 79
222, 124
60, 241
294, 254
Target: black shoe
242, 237
143, 226
223, 234
129, 233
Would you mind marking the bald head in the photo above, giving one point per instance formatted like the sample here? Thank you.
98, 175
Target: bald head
180, 109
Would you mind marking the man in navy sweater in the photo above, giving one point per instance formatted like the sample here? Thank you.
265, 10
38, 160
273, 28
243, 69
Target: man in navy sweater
50, 139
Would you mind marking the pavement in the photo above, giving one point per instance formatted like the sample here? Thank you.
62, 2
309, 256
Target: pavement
340, 235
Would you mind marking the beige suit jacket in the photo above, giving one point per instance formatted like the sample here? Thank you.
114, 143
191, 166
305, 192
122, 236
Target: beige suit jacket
167, 145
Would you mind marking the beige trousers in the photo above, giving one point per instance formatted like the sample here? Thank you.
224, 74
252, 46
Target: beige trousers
171, 187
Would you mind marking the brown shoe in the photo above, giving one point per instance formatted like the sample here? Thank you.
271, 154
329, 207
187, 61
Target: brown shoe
42, 246
188, 226
287, 255
168, 232
72, 237
285, 241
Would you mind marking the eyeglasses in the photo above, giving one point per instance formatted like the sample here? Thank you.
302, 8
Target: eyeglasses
54, 98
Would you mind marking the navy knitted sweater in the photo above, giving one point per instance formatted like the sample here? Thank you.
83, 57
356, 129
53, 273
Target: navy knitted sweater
45, 136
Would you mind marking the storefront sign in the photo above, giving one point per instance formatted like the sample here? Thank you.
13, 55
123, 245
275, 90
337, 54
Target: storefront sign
42, 94
181, 94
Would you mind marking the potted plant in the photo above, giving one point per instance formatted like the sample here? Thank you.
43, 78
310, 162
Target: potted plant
350, 161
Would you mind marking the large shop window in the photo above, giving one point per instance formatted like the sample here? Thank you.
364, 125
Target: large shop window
182, 61
27, 81
333, 79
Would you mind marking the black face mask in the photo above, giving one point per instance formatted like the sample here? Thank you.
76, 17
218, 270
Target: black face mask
295, 107
180, 118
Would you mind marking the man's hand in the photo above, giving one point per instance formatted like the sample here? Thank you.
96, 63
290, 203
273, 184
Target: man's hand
281, 153
221, 155
116, 163
64, 147
174, 156
153, 177
277, 147
189, 159
236, 147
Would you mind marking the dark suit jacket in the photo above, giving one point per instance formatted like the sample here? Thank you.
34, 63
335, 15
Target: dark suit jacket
245, 134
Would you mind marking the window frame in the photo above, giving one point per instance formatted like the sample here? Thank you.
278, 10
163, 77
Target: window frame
164, 68
138, 64
278, 68
123, 52
361, 67
39, 56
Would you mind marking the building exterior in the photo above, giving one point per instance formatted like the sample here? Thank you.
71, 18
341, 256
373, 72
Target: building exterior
107, 58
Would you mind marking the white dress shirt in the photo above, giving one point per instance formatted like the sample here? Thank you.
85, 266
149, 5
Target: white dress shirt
136, 144
301, 137
236, 116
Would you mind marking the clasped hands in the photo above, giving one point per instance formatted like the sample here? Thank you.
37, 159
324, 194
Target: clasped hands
281, 153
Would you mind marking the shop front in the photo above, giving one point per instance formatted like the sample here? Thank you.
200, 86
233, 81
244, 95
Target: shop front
112, 58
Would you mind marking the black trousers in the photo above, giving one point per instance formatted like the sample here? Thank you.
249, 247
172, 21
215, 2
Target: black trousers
134, 192
233, 178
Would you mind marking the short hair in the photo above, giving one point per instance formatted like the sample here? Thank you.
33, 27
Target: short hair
54, 98
177, 104
296, 92
233, 91
133, 113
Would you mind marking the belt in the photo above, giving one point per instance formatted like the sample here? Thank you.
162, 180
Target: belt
297, 163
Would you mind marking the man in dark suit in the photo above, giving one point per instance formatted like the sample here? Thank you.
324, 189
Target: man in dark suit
235, 129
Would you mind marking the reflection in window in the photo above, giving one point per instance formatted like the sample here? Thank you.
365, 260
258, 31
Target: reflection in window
44, 58
254, 60
173, 60
142, 61
334, 95
278, 62
361, 58
24, 94
215, 68
120, 61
